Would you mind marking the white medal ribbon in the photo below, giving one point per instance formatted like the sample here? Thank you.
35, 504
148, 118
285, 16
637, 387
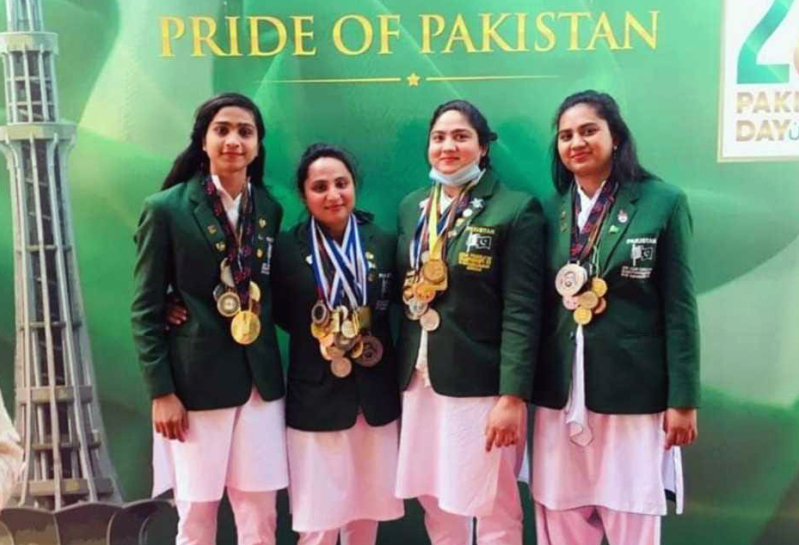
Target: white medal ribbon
351, 257
319, 272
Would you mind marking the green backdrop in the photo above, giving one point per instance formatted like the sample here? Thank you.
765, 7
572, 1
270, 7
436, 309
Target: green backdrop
134, 107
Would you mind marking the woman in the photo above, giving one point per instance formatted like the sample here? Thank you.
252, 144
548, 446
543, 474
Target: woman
332, 284
471, 253
216, 381
618, 381
333, 279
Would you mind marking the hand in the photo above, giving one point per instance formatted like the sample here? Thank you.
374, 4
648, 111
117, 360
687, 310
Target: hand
680, 427
170, 418
176, 311
505, 422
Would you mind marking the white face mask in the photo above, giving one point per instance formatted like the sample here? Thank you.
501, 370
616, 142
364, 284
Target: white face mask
458, 178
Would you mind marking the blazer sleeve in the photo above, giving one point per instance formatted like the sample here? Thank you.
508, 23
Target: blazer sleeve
679, 309
522, 278
151, 278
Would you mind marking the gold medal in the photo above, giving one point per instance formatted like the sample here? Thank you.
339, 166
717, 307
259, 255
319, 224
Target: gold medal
430, 320
582, 316
341, 367
228, 304
245, 327
424, 292
407, 294
335, 322
588, 299
365, 318
318, 331
357, 350
599, 286
349, 329
435, 271
328, 339
600, 308
372, 351
343, 343
334, 351
255, 291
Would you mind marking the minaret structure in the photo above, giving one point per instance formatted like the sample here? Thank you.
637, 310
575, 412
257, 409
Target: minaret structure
57, 409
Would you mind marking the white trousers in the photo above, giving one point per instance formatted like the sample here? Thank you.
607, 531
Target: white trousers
255, 513
357, 532
586, 525
503, 526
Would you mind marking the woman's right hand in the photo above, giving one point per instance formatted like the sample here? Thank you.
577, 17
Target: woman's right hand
176, 312
170, 417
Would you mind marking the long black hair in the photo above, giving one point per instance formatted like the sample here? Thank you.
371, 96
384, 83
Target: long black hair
193, 160
625, 158
317, 151
476, 119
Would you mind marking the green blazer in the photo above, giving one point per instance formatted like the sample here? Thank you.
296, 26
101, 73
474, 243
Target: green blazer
316, 399
180, 245
487, 342
642, 353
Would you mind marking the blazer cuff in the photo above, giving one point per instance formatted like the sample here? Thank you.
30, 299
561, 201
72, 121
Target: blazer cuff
158, 379
684, 398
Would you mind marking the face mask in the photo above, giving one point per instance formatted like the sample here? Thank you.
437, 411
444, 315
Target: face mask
458, 178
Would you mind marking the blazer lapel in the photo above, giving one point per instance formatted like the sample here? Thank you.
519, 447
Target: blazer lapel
565, 223
206, 221
615, 225
263, 242
478, 200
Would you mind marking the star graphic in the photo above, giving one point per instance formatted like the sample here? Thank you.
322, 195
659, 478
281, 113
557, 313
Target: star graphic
413, 80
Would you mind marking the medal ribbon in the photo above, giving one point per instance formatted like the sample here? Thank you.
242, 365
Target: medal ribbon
583, 240
239, 241
437, 238
348, 262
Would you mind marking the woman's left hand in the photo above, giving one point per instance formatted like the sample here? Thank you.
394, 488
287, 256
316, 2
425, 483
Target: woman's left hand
505, 422
680, 427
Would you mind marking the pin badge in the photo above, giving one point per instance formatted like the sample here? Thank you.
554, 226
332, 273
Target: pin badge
613, 229
623, 216
468, 213
212, 229
476, 203
220, 246
308, 259
369, 255
259, 253
262, 223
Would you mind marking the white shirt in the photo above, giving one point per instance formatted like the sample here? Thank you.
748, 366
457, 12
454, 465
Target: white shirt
231, 205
